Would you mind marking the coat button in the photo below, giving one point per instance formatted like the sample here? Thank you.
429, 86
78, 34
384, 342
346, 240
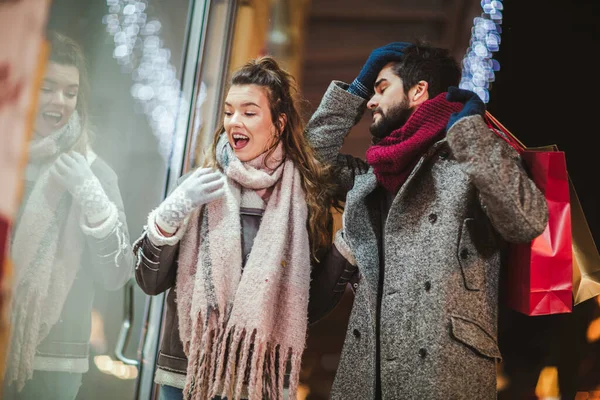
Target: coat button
422, 353
464, 253
356, 333
355, 285
427, 286
432, 218
444, 155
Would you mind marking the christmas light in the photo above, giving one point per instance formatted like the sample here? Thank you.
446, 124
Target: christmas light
478, 65
140, 52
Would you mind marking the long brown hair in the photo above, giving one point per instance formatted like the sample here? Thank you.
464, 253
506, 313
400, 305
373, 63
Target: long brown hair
283, 98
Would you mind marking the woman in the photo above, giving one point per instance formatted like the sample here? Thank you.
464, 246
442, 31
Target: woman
70, 234
233, 242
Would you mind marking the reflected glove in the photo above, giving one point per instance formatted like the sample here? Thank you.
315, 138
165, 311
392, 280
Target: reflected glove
73, 172
363, 84
473, 105
201, 187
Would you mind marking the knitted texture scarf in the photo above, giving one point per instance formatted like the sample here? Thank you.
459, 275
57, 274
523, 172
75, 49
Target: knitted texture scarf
243, 329
395, 156
46, 252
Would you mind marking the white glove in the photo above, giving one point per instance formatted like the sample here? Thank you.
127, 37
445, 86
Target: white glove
201, 187
73, 172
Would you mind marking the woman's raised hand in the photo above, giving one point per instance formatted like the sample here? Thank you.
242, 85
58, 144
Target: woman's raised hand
201, 187
73, 172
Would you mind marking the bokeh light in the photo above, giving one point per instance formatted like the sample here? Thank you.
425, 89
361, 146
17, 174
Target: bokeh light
107, 365
547, 384
139, 51
478, 65
593, 331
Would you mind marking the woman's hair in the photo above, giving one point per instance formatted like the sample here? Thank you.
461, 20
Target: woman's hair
282, 94
65, 51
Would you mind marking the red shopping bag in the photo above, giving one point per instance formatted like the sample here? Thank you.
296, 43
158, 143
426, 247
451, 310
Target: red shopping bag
540, 273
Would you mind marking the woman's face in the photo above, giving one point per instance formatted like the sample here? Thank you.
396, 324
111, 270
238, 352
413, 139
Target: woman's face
248, 121
58, 98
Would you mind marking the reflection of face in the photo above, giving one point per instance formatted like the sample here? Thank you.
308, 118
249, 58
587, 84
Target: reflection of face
58, 98
248, 122
390, 105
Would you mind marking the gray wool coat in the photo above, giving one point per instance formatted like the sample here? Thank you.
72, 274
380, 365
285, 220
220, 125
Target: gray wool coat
424, 319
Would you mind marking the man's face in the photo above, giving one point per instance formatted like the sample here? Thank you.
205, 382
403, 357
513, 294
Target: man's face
390, 104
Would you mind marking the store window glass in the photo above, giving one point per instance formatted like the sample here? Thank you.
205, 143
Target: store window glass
105, 131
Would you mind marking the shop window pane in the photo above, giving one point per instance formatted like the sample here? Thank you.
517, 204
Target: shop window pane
98, 163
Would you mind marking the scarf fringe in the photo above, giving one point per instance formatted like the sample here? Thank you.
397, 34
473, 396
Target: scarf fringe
241, 368
296, 363
226, 369
233, 362
271, 387
196, 382
280, 376
27, 310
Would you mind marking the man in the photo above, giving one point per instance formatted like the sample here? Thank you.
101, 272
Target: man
427, 219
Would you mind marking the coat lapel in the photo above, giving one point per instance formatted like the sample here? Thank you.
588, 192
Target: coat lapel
359, 229
404, 188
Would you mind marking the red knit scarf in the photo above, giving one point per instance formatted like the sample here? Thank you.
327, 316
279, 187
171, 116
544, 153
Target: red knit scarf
395, 156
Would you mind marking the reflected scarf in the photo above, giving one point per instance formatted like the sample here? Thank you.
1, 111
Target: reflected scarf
395, 156
244, 329
46, 253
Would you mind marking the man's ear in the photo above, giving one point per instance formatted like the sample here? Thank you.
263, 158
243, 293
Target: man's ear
418, 94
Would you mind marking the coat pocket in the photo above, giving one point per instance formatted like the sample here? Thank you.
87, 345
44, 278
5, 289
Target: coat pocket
471, 254
473, 335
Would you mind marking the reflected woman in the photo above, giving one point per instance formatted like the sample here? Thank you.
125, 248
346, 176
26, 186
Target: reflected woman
70, 236
233, 243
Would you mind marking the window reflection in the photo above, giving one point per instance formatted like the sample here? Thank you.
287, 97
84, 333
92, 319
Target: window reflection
110, 138
70, 235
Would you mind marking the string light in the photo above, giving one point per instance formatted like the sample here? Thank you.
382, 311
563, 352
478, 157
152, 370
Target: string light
140, 52
478, 65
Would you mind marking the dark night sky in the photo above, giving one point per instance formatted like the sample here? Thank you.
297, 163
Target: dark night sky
545, 92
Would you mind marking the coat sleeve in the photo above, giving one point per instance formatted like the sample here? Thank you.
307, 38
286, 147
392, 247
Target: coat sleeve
513, 203
337, 113
156, 255
156, 266
329, 278
108, 244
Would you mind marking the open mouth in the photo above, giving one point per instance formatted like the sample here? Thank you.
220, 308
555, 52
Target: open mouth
239, 141
52, 117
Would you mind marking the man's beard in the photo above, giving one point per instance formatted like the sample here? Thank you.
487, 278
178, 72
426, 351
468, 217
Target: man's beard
395, 118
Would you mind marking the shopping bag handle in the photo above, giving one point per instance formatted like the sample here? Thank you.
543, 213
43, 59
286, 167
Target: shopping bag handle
503, 133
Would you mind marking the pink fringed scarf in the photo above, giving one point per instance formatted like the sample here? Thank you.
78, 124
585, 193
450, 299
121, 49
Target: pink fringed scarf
394, 157
46, 252
243, 329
